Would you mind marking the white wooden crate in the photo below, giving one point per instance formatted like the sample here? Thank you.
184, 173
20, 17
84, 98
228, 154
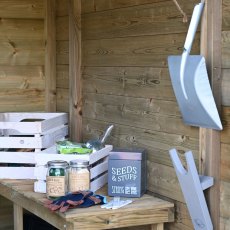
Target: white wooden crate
98, 166
12, 123
19, 140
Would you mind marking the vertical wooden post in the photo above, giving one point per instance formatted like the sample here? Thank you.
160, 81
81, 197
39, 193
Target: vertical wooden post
50, 56
211, 28
75, 97
157, 226
18, 217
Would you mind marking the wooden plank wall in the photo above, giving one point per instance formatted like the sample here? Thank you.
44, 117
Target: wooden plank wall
22, 51
62, 36
22, 48
126, 82
225, 135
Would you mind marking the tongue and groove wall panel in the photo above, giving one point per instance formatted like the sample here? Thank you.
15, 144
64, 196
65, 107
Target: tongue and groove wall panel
22, 48
125, 76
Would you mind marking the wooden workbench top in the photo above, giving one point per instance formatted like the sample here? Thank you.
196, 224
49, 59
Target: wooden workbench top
143, 211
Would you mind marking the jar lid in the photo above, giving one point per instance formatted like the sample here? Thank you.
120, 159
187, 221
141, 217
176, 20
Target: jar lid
79, 163
58, 164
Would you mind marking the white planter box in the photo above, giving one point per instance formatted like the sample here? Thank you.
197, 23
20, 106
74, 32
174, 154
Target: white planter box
98, 166
24, 134
41, 136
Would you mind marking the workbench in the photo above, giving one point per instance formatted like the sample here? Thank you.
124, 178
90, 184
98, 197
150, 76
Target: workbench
147, 210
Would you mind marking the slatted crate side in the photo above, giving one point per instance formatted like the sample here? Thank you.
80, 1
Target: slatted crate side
17, 173
21, 141
11, 122
98, 166
36, 141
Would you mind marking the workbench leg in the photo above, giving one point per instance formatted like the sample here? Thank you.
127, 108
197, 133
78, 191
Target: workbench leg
18, 217
157, 226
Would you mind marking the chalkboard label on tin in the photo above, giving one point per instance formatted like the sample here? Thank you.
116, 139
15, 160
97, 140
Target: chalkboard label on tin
127, 173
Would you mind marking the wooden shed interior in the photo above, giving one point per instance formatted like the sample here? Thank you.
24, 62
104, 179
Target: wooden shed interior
105, 62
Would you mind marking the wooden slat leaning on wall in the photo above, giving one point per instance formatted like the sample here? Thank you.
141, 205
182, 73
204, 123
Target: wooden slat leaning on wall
75, 98
210, 139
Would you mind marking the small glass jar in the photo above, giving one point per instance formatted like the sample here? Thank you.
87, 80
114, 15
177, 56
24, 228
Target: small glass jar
57, 179
79, 175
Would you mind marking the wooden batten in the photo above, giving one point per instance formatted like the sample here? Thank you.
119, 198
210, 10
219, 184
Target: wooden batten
210, 139
50, 56
75, 97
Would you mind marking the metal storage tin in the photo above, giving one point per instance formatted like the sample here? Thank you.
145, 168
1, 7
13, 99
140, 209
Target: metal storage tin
127, 173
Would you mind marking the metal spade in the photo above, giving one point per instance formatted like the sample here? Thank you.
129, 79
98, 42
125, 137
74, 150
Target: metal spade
190, 82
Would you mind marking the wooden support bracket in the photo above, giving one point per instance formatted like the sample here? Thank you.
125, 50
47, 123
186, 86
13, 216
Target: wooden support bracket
192, 186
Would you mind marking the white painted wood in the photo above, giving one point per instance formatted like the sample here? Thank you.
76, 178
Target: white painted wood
100, 154
99, 169
20, 142
43, 157
40, 172
36, 141
206, 181
99, 182
51, 154
17, 157
17, 173
11, 121
40, 186
192, 190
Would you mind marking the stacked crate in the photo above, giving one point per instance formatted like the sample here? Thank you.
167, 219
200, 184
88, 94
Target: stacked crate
27, 143
22, 136
98, 162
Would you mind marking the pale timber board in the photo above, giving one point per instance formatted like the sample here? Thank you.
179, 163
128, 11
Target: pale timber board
62, 76
225, 87
22, 52
127, 112
128, 81
125, 219
50, 56
156, 143
163, 181
32, 29
225, 117
225, 49
226, 15
138, 51
75, 75
210, 140
18, 217
14, 100
183, 220
138, 105
143, 227
63, 100
148, 19
30, 9
62, 52
224, 223
22, 77
146, 210
61, 8
101, 5
225, 162
224, 199
62, 25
